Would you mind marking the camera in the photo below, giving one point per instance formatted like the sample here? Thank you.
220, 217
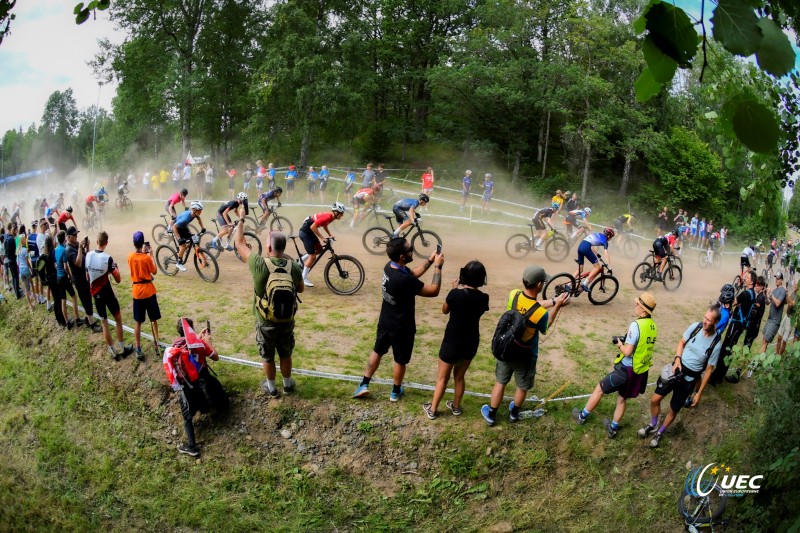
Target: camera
617, 339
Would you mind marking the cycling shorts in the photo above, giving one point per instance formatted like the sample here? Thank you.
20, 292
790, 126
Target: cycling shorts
694, 231
221, 221
659, 249
309, 238
569, 220
585, 252
399, 214
538, 224
183, 232
770, 260
618, 226
744, 261
359, 201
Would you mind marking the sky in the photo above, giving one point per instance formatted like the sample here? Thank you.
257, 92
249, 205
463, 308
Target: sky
47, 52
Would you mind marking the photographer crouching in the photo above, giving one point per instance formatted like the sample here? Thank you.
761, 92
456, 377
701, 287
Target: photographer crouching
629, 377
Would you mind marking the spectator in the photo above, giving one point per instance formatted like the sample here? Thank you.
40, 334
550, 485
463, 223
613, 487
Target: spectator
427, 182
142, 265
324, 176
397, 323
49, 259
349, 179
663, 222
572, 202
271, 176
247, 177
44, 226
291, 177
368, 176
379, 179
10, 245
63, 284
33, 249
521, 361
776, 298
231, 172
25, 268
312, 178
738, 324
488, 192
466, 184
200, 182
209, 185
76, 258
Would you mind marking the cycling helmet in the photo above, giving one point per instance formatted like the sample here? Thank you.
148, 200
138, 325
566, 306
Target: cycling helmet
424, 198
587, 210
555, 205
338, 207
69, 209
184, 192
727, 293
197, 206
125, 183
102, 190
60, 194
278, 190
675, 232
609, 232
242, 196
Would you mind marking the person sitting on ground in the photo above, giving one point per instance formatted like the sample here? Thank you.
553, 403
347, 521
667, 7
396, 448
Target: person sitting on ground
186, 366
585, 252
405, 211
629, 377
142, 266
264, 199
312, 238
240, 208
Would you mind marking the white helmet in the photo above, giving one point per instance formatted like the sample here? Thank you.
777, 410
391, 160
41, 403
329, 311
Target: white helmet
338, 207
242, 196
197, 206
587, 210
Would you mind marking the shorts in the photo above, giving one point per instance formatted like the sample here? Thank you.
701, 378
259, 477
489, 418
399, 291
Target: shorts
65, 286
616, 380
770, 260
184, 232
259, 183
208, 187
618, 226
785, 331
62, 226
272, 337
312, 186
659, 250
453, 354
323, 185
348, 187
147, 306
310, 241
221, 221
106, 302
694, 231
770, 330
427, 191
401, 343
524, 373
680, 390
486, 197
359, 201
702, 234
585, 252
464, 194
246, 185
744, 261
400, 215
289, 185
231, 184
84, 295
538, 224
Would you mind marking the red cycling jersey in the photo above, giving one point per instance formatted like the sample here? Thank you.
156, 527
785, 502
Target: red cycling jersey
90, 199
63, 217
175, 199
322, 219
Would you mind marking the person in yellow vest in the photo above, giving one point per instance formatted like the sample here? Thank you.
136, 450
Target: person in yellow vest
629, 377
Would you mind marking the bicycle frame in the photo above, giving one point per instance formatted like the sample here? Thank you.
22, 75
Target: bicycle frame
177, 245
325, 248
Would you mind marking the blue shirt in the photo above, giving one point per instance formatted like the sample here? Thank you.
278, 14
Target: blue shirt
724, 318
467, 183
271, 174
313, 176
350, 178
324, 174
407, 203
291, 175
488, 186
61, 261
183, 219
597, 239
269, 195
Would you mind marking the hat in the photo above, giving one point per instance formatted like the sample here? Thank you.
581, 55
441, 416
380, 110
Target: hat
778, 275
72, 230
533, 275
138, 239
647, 302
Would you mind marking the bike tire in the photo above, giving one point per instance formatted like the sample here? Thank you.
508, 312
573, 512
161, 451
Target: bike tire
251, 225
119, 203
344, 275
167, 260
630, 248
717, 259
128, 204
207, 246
603, 289
252, 242
424, 243
518, 246
193, 229
282, 224
556, 249
673, 277
160, 234
691, 506
737, 283
210, 270
375, 240
701, 260
642, 276
558, 284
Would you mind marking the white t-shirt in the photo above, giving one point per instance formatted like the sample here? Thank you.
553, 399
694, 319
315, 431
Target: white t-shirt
748, 252
98, 264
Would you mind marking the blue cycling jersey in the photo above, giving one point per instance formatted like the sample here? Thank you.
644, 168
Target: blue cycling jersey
267, 196
597, 239
407, 203
183, 219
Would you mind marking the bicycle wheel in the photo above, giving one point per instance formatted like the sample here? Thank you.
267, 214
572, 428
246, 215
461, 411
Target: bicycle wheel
344, 274
206, 266
702, 259
424, 243
556, 249
167, 260
128, 204
518, 246
281, 224
160, 234
630, 248
603, 289
375, 240
717, 260
737, 283
673, 276
558, 284
252, 242
119, 202
643, 276
704, 509
207, 238
250, 224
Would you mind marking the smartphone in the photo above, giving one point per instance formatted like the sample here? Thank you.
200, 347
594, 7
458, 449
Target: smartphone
438, 249
208, 327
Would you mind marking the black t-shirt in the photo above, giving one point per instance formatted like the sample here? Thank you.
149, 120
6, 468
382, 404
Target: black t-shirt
758, 311
78, 272
11, 248
745, 301
571, 205
400, 289
380, 176
466, 308
233, 205
546, 212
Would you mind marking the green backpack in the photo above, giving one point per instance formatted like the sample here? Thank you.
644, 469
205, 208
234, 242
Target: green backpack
279, 303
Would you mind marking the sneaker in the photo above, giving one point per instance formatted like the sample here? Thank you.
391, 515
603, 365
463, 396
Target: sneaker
78, 322
585, 288
453, 409
188, 450
611, 432
180, 266
656, 440
511, 416
486, 413
428, 408
576, 414
96, 327
395, 396
307, 282
114, 354
272, 392
362, 391
645, 431
213, 244
139, 354
229, 247
49, 306
288, 389
127, 350
70, 324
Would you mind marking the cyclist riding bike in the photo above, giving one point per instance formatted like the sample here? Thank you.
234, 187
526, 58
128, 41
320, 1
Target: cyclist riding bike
181, 226
101, 195
362, 201
312, 238
264, 198
662, 248
175, 199
122, 190
542, 220
624, 223
713, 241
585, 251
240, 208
405, 211
576, 219
744, 261
64, 217
90, 201
758, 249
771, 257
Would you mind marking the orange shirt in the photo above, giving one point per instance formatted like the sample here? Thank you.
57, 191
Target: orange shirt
142, 268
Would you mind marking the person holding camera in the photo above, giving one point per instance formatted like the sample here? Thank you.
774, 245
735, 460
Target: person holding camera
142, 265
629, 377
76, 255
695, 357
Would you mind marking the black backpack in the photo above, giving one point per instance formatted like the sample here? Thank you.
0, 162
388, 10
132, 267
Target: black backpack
510, 329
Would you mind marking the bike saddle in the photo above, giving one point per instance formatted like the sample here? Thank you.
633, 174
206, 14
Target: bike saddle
388, 217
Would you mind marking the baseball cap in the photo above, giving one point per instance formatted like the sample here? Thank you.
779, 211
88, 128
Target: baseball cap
533, 275
138, 239
778, 275
647, 301
72, 230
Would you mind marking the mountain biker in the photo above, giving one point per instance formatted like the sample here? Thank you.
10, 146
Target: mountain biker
744, 261
662, 248
576, 219
311, 236
172, 201
64, 217
240, 208
542, 221
122, 190
182, 227
405, 211
624, 223
771, 257
101, 195
90, 201
585, 251
264, 198
362, 200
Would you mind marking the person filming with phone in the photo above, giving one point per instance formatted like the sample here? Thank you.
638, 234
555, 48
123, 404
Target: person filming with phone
142, 265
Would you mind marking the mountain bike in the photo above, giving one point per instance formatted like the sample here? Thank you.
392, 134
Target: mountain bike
767, 275
423, 242
372, 214
274, 221
581, 233
674, 258
123, 201
710, 257
602, 290
251, 240
647, 272
93, 221
162, 234
343, 274
205, 264
703, 511
556, 246
626, 243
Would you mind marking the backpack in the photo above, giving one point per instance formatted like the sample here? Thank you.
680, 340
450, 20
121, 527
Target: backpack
709, 351
510, 329
41, 268
279, 303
